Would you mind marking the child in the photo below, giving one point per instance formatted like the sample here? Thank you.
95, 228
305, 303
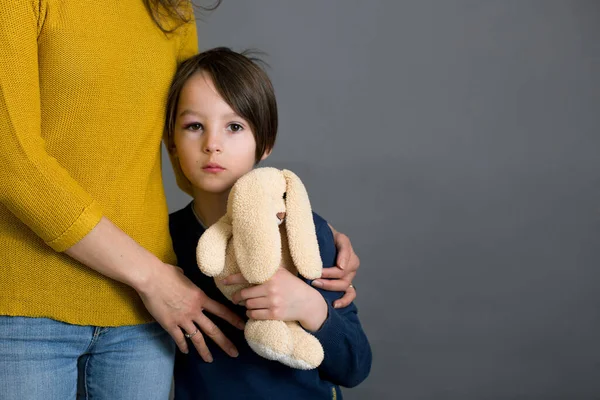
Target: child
221, 121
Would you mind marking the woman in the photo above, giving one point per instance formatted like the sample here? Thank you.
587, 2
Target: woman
87, 262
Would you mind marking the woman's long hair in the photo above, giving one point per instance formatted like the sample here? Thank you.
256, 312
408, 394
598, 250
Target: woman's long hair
171, 14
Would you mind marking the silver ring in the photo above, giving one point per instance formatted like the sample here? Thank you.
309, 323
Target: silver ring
190, 335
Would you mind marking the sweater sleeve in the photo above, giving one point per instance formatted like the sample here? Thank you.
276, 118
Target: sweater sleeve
33, 185
348, 356
189, 44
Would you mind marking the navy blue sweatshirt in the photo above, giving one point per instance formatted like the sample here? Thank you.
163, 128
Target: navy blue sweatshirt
347, 359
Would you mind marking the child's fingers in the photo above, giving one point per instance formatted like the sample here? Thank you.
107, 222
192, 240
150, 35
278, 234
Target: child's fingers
249, 293
258, 303
234, 279
261, 314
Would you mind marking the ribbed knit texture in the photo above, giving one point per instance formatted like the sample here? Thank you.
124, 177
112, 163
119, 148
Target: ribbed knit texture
83, 88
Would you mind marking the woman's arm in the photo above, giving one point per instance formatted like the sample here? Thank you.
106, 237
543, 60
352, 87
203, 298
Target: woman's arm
33, 185
169, 296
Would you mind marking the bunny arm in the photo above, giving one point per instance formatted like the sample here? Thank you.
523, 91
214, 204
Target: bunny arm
212, 247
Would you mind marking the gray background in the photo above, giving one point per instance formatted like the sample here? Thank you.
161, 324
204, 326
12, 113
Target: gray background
456, 143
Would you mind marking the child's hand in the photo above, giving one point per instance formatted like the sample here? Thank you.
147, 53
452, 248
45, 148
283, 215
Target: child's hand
284, 297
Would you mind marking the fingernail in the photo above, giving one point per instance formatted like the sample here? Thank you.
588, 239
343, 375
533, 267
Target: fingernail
241, 325
233, 352
224, 282
336, 305
317, 283
209, 358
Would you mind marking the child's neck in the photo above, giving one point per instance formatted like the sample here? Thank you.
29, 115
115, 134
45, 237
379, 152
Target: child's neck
210, 207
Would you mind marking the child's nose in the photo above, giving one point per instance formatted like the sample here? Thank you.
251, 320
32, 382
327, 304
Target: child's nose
212, 143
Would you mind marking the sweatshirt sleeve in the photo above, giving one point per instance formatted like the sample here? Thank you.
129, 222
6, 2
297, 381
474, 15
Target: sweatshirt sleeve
348, 356
33, 185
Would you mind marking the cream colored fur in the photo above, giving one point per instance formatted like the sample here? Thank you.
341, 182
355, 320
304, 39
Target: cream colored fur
250, 239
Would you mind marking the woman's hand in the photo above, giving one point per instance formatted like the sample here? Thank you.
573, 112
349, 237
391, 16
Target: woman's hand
172, 299
284, 297
178, 304
339, 278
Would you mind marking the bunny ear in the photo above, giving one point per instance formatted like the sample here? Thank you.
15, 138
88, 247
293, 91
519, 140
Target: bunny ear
302, 238
256, 238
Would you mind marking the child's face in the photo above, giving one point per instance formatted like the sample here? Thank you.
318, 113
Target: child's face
214, 145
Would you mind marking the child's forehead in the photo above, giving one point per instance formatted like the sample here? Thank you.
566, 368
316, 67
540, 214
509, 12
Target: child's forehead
202, 82
200, 96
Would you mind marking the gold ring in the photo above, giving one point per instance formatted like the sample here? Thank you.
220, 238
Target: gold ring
190, 335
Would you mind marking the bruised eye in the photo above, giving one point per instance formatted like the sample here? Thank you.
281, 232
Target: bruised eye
194, 127
235, 127
284, 195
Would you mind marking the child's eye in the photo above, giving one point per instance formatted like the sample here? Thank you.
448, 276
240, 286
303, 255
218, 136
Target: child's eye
235, 127
194, 127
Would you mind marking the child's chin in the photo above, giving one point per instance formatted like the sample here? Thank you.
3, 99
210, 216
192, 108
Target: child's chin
214, 188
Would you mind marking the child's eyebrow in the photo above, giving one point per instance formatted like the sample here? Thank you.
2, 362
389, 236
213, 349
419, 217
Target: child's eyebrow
188, 112
231, 115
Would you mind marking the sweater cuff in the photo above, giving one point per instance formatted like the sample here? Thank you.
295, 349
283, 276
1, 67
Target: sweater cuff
331, 332
86, 221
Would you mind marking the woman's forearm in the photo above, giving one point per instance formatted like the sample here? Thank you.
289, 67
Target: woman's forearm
111, 252
172, 299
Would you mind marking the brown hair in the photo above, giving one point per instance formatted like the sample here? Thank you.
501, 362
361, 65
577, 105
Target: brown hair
171, 14
244, 86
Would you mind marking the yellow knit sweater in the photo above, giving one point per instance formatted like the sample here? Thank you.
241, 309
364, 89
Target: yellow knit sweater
83, 87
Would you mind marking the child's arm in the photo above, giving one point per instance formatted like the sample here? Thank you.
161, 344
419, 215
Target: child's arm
287, 297
348, 355
347, 351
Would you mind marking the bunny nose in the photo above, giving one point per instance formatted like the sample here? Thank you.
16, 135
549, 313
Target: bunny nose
281, 216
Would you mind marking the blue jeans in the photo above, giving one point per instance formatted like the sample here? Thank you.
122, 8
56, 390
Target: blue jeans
45, 359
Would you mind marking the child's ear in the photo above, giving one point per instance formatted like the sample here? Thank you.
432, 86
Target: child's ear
266, 154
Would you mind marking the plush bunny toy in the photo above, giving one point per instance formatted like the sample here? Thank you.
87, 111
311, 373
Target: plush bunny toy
268, 224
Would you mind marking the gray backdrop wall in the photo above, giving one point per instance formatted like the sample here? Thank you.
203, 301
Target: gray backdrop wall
456, 143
